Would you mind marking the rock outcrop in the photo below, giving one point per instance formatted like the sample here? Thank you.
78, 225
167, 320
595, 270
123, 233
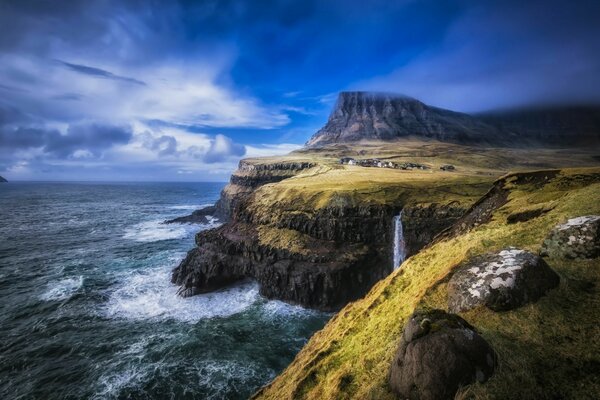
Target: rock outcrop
202, 216
250, 176
2, 180
577, 238
501, 281
386, 116
439, 353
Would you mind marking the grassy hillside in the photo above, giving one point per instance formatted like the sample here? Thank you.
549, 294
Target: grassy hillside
547, 350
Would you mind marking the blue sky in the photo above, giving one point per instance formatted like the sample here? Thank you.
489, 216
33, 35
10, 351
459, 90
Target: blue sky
181, 90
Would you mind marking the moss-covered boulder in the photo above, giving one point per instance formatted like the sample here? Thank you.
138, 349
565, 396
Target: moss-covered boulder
501, 281
577, 238
439, 353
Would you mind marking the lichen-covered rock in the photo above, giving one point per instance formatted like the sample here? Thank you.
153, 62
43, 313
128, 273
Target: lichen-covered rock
439, 353
577, 238
501, 281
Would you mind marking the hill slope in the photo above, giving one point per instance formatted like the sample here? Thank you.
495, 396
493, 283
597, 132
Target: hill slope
547, 350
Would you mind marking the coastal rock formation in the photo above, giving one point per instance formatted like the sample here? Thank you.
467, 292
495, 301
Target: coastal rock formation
501, 281
197, 217
251, 175
386, 116
320, 257
439, 353
326, 278
2, 180
577, 238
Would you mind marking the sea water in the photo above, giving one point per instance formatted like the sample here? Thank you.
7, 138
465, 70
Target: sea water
87, 309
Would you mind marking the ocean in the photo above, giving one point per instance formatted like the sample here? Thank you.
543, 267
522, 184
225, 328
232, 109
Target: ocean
87, 310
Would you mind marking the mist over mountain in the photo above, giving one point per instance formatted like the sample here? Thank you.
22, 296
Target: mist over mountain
386, 116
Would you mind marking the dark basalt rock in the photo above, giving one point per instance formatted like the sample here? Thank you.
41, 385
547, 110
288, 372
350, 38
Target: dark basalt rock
196, 217
350, 250
439, 353
522, 216
422, 224
501, 281
577, 238
324, 279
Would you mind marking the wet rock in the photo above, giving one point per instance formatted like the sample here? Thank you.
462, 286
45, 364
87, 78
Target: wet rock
202, 216
501, 281
577, 238
439, 353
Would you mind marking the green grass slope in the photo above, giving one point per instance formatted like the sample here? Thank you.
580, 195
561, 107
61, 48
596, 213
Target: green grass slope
547, 350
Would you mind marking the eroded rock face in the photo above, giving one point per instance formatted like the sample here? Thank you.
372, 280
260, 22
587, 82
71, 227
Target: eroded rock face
501, 281
439, 353
327, 278
577, 238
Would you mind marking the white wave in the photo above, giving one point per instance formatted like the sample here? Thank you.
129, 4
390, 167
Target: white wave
153, 231
189, 206
156, 230
111, 384
148, 294
62, 289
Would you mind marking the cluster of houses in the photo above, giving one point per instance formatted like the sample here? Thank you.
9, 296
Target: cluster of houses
375, 162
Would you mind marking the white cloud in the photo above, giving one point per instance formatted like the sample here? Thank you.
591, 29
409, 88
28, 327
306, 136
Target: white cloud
179, 93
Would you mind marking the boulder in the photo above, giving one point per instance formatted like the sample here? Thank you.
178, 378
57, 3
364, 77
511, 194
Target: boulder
501, 281
577, 238
438, 353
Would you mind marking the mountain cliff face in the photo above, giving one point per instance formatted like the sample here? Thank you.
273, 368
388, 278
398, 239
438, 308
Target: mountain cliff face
381, 116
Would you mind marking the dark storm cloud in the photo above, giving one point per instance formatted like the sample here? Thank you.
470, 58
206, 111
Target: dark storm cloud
99, 73
92, 138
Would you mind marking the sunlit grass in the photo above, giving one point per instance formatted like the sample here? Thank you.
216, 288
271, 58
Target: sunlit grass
547, 350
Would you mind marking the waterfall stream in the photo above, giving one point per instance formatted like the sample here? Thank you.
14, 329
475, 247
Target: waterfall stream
399, 245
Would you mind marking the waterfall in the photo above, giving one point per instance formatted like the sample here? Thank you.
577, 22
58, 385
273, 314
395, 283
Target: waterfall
399, 245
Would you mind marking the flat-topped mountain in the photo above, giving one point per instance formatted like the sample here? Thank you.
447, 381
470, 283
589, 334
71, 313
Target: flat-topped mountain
383, 116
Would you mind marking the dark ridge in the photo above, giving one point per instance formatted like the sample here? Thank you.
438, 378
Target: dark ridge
384, 116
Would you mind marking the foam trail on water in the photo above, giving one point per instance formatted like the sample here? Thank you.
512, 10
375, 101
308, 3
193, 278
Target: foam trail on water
62, 289
399, 244
153, 231
189, 206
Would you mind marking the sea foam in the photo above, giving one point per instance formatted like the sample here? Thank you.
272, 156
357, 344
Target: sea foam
62, 289
148, 294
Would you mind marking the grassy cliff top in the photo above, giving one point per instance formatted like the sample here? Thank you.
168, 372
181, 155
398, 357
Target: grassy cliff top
548, 349
331, 184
